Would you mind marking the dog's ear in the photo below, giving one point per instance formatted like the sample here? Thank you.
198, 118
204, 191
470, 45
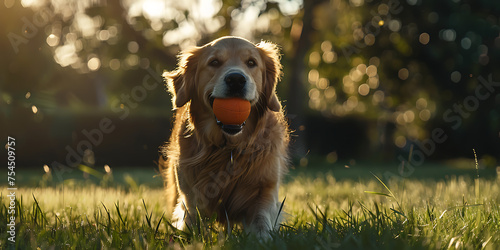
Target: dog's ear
270, 53
180, 82
176, 87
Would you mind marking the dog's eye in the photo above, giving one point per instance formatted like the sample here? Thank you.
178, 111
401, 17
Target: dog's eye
251, 63
214, 63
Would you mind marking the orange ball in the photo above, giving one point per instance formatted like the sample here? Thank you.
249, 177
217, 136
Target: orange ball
231, 111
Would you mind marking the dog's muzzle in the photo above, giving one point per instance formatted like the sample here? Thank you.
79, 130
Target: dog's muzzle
235, 83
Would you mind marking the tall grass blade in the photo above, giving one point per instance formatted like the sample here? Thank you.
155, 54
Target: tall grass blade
229, 229
476, 181
279, 212
389, 190
148, 218
120, 215
158, 225
109, 217
378, 193
38, 209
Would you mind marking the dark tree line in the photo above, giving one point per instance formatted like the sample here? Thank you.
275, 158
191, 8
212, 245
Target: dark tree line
361, 78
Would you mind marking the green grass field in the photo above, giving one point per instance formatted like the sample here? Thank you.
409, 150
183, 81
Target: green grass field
326, 207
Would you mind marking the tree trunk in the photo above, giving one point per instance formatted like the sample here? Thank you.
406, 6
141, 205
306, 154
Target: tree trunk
297, 92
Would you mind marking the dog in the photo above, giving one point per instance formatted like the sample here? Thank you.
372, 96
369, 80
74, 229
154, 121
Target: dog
233, 172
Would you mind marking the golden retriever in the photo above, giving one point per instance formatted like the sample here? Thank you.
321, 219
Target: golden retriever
232, 172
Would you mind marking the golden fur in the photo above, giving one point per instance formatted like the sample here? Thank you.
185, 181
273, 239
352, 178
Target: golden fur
233, 176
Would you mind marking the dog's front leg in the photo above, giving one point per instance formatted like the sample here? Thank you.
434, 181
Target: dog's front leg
183, 214
266, 217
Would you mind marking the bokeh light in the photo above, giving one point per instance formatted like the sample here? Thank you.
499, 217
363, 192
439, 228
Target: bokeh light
94, 63
424, 38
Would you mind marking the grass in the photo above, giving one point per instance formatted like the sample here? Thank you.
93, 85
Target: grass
324, 210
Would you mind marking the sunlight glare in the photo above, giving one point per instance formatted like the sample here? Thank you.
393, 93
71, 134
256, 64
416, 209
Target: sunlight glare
289, 8
153, 8
66, 55
29, 3
208, 9
185, 35
85, 24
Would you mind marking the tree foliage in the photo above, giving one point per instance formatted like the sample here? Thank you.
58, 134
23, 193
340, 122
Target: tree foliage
403, 68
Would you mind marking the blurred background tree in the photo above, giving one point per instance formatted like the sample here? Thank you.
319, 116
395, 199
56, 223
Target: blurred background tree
363, 79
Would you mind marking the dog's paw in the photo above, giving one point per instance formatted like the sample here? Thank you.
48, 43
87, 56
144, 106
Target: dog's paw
263, 236
179, 224
261, 228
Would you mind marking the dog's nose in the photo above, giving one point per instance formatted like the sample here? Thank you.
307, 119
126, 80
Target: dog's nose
235, 81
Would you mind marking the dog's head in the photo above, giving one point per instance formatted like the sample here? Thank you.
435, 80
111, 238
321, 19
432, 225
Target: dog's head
225, 68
